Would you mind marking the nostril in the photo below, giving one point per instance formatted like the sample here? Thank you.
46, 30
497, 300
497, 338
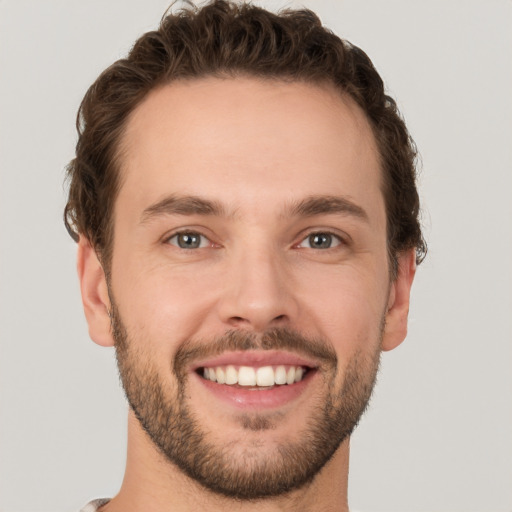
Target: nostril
239, 319
258, 322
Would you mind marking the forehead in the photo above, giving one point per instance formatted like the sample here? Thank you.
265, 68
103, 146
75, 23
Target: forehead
246, 140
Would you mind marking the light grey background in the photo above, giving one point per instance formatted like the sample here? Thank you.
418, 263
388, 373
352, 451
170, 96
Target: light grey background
438, 436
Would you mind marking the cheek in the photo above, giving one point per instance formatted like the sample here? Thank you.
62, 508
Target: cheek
347, 308
351, 319
162, 304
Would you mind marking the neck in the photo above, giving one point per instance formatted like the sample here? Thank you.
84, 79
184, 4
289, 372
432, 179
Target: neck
152, 484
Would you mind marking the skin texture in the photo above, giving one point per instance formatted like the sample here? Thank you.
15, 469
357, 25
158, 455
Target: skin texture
255, 150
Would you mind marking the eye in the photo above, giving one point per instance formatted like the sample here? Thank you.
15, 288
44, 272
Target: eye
320, 241
189, 240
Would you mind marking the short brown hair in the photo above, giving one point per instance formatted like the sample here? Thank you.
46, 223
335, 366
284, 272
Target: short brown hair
227, 39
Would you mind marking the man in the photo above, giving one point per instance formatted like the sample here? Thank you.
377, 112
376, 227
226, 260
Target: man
243, 196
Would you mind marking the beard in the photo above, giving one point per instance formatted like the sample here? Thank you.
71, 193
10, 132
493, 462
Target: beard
251, 473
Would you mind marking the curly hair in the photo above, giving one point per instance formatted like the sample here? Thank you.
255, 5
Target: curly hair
227, 39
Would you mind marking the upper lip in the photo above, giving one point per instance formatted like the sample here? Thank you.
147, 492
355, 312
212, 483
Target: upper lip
256, 358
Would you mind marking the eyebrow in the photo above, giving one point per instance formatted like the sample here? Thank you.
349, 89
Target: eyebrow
183, 205
326, 204
307, 207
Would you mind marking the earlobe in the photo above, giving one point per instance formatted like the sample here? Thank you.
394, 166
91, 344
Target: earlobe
94, 290
395, 329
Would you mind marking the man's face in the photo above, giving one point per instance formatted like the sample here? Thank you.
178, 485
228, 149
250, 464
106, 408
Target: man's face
249, 279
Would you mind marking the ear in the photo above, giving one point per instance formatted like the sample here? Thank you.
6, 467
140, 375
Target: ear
395, 329
93, 286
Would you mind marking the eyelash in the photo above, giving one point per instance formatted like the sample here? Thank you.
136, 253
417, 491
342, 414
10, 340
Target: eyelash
191, 233
332, 236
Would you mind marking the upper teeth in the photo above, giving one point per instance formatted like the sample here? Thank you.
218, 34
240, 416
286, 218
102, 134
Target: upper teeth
249, 376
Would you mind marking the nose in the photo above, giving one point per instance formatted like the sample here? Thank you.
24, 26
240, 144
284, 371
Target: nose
258, 292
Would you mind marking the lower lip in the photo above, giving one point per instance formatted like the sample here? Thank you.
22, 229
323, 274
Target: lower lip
254, 398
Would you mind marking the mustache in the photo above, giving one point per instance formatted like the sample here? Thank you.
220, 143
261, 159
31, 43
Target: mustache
272, 339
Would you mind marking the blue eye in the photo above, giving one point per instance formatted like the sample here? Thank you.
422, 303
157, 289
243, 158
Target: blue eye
189, 240
320, 241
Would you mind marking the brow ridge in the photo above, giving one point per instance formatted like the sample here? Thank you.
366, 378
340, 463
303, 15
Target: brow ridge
182, 205
326, 204
308, 207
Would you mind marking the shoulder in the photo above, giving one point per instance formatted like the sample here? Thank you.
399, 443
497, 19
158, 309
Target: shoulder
94, 505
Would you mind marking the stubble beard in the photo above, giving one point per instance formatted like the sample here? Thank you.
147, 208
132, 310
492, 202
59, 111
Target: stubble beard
251, 473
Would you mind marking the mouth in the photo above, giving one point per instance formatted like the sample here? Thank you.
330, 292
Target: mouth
256, 380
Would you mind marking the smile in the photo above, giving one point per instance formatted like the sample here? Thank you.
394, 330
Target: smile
249, 376
256, 380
